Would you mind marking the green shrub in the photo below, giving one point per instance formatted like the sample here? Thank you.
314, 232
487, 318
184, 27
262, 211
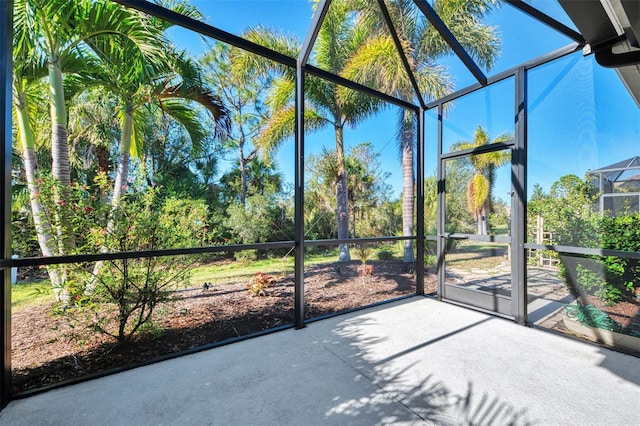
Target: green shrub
622, 233
430, 260
363, 252
118, 297
609, 278
245, 256
385, 254
597, 285
260, 284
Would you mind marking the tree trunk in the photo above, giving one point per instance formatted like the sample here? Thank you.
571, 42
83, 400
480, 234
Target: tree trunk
408, 182
60, 156
122, 171
342, 197
44, 230
119, 187
243, 174
482, 222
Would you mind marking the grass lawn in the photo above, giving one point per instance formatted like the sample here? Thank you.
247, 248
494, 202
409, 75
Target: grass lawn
476, 254
217, 272
231, 271
30, 293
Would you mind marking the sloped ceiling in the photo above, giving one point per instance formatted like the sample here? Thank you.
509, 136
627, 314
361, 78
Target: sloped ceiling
612, 29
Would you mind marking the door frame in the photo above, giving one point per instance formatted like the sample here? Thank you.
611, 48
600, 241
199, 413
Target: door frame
515, 306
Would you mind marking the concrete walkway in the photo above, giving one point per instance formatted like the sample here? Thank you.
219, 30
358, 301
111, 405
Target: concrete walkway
417, 361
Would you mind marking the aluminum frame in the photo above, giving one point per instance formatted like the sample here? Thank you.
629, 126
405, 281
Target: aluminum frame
6, 67
547, 20
451, 40
519, 202
302, 69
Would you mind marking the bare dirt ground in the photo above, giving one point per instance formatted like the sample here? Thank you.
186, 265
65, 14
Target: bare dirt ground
44, 353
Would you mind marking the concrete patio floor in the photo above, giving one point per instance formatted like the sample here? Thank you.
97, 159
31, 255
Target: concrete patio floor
416, 361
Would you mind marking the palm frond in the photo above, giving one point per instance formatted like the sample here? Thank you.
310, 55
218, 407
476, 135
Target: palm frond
247, 64
189, 119
477, 194
463, 18
281, 93
186, 82
281, 125
377, 64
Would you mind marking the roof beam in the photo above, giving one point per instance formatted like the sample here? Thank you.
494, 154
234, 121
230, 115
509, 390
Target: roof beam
329, 76
547, 20
314, 29
207, 30
451, 40
400, 49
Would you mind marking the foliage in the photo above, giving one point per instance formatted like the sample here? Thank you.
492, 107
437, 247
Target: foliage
326, 103
499, 218
372, 213
595, 283
567, 211
384, 254
622, 275
260, 284
430, 260
430, 205
430, 252
480, 185
569, 214
127, 291
364, 252
261, 219
457, 218
259, 177
244, 96
377, 64
245, 256
24, 240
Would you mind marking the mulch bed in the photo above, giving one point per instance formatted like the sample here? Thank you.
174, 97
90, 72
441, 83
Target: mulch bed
46, 349
44, 352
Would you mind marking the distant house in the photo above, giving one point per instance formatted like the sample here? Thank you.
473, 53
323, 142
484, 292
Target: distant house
619, 186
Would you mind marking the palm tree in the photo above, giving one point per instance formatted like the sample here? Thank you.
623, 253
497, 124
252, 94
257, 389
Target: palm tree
244, 96
480, 185
49, 37
377, 63
325, 102
27, 70
167, 82
145, 84
58, 30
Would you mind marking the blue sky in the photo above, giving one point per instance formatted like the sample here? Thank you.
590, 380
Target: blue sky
581, 116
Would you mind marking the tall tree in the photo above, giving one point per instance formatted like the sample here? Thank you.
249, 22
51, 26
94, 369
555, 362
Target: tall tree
60, 30
378, 63
52, 36
366, 186
326, 104
28, 69
144, 84
260, 178
244, 97
167, 82
480, 185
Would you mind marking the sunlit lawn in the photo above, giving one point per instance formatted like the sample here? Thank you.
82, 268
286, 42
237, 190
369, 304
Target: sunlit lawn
218, 272
476, 255
30, 293
467, 255
234, 271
